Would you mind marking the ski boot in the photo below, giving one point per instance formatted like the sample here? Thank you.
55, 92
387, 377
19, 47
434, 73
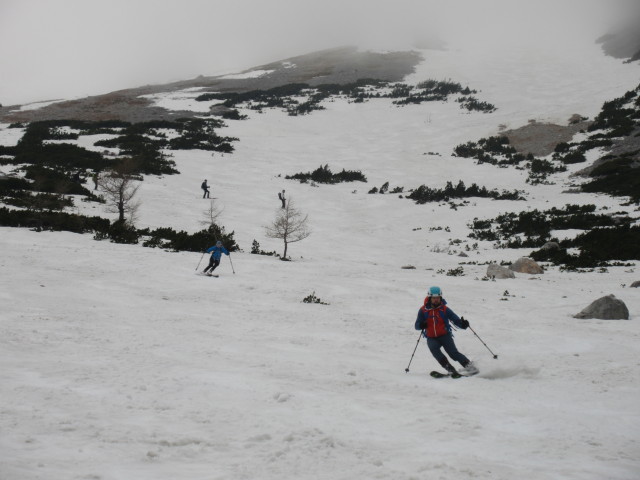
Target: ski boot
469, 369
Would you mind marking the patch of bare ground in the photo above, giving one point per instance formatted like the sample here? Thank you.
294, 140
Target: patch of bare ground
540, 139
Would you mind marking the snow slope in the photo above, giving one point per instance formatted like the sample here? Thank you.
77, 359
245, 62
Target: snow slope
118, 362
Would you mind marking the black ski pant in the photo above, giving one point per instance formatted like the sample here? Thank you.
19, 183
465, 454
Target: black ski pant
213, 264
445, 341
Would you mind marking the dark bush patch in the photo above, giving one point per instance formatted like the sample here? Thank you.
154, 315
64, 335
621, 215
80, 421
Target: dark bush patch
535, 226
597, 247
54, 221
323, 174
571, 157
473, 104
424, 194
55, 180
493, 150
168, 238
256, 250
287, 96
616, 177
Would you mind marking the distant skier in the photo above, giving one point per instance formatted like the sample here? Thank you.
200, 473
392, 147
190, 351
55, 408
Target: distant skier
216, 253
282, 199
205, 188
434, 319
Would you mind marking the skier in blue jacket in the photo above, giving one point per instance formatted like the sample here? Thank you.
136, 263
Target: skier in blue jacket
435, 319
216, 253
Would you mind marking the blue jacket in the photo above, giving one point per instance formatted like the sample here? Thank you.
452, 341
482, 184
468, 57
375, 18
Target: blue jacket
217, 252
435, 321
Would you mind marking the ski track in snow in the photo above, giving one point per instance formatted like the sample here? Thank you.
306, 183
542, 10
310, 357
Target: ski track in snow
117, 362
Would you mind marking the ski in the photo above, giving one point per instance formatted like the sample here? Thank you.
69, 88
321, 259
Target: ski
436, 374
207, 274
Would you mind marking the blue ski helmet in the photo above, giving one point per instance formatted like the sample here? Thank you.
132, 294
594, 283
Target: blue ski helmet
434, 292
218, 243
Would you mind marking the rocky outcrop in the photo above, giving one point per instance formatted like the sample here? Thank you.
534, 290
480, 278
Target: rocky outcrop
551, 246
497, 271
526, 265
605, 308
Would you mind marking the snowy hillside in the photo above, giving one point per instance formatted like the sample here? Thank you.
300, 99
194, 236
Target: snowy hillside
118, 362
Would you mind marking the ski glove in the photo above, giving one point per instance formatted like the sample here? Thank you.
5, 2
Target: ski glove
464, 323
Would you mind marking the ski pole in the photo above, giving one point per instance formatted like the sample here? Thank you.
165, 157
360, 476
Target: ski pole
234, 272
414, 352
474, 332
200, 260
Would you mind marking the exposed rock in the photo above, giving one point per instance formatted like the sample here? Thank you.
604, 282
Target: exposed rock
526, 265
605, 308
541, 139
636, 284
497, 271
551, 246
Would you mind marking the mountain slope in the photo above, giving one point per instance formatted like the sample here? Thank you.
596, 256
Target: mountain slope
119, 362
340, 65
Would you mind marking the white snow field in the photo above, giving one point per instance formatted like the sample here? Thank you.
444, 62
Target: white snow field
117, 362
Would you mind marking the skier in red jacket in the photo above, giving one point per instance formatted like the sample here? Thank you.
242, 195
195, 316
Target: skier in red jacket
435, 319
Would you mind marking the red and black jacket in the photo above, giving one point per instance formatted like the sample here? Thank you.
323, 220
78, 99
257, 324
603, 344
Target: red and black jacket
436, 321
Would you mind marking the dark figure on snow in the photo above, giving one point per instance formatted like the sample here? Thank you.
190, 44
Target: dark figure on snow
94, 177
282, 199
205, 188
216, 253
434, 319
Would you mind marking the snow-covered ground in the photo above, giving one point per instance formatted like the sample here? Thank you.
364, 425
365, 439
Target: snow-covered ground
118, 362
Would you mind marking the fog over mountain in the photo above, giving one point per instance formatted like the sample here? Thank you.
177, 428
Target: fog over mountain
73, 48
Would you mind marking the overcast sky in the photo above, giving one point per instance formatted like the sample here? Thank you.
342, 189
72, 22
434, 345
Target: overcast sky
51, 49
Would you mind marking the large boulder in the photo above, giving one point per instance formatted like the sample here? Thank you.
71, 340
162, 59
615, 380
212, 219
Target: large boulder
636, 284
605, 308
526, 265
497, 271
551, 246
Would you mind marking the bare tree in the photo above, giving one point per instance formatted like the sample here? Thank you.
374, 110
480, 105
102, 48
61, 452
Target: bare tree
211, 214
119, 188
289, 225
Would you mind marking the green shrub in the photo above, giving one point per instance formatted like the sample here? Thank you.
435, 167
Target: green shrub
535, 226
597, 248
40, 201
256, 250
313, 299
616, 177
424, 194
55, 180
324, 175
572, 157
55, 221
123, 232
473, 104
169, 239
13, 183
